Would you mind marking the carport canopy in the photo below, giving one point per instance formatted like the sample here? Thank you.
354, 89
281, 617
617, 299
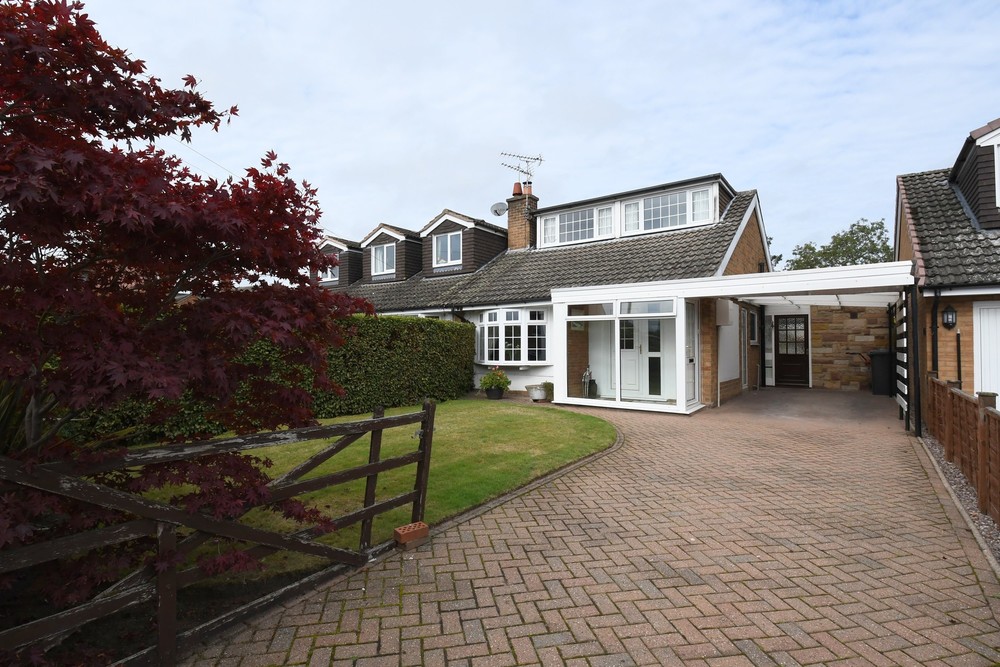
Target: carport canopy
861, 286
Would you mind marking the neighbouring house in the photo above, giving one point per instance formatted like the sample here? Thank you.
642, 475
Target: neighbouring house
661, 298
948, 224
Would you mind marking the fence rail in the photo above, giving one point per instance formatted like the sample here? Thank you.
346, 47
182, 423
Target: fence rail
163, 522
968, 428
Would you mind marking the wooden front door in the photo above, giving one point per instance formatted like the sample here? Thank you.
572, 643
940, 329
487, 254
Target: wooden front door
791, 350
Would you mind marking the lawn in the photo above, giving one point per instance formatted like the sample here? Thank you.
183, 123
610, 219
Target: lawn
481, 450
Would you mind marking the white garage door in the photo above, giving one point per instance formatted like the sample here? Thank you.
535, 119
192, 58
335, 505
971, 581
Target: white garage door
986, 316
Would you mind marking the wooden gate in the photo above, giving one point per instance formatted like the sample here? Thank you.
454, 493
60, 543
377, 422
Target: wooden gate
162, 521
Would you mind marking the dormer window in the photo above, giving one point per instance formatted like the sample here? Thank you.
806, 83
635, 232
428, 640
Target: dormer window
331, 274
383, 259
657, 211
448, 249
672, 209
582, 225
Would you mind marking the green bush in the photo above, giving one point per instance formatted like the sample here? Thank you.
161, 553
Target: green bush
385, 361
394, 361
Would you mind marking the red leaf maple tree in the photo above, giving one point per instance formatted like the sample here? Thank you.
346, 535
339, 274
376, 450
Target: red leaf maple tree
101, 231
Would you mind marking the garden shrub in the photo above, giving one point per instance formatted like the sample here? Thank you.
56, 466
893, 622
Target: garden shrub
386, 361
393, 361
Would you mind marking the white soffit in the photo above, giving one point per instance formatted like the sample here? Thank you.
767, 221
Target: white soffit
878, 281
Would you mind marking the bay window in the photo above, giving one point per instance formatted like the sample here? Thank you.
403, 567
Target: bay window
512, 336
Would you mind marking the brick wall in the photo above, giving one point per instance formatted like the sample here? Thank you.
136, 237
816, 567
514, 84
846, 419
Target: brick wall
836, 335
577, 358
521, 221
709, 368
749, 252
730, 389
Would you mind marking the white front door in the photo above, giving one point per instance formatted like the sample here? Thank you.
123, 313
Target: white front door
629, 348
986, 329
646, 349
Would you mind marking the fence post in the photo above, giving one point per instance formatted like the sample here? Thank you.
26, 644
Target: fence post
932, 408
424, 464
949, 422
166, 592
987, 399
374, 453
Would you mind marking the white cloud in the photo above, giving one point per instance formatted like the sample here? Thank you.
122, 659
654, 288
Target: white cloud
396, 110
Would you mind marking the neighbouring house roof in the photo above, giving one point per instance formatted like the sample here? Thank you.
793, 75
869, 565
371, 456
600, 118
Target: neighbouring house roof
952, 250
471, 222
530, 275
339, 242
398, 232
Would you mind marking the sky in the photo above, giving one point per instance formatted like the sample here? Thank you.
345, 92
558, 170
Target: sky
395, 111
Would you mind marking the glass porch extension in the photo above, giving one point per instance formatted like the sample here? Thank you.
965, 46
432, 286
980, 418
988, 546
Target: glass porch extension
625, 352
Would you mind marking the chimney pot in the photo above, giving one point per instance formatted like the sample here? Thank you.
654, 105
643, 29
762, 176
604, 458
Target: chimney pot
527, 187
517, 189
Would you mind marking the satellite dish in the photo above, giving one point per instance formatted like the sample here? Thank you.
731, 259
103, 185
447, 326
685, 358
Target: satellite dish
498, 209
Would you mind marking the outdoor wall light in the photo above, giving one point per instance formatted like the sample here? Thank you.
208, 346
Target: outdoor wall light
949, 318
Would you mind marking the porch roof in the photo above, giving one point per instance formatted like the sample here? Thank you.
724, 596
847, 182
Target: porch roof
863, 285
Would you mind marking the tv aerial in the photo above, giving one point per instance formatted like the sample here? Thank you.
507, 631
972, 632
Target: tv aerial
525, 163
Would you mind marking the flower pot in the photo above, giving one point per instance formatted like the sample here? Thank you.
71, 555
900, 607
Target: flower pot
494, 393
536, 392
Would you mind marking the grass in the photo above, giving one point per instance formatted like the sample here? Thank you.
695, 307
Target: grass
481, 450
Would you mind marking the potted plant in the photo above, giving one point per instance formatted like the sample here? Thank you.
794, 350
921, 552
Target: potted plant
494, 383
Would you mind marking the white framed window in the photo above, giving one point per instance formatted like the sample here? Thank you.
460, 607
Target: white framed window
512, 336
753, 333
549, 230
604, 227
700, 208
632, 216
448, 249
668, 210
383, 259
582, 225
331, 274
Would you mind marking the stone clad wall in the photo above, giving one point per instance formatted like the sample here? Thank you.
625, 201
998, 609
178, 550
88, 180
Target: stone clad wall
837, 335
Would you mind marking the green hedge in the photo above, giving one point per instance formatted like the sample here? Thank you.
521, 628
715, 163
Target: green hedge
386, 361
393, 361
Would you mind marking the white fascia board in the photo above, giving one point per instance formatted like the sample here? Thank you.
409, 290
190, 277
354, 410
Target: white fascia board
507, 306
739, 235
837, 280
444, 217
327, 243
990, 139
380, 230
965, 291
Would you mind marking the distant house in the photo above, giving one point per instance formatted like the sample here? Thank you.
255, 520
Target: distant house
948, 225
661, 298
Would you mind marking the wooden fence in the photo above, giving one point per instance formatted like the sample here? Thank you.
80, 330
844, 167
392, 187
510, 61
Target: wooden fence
162, 521
968, 427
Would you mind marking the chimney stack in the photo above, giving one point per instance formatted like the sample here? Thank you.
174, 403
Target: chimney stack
521, 209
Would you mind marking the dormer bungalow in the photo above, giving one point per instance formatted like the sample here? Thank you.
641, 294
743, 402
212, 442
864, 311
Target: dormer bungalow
660, 298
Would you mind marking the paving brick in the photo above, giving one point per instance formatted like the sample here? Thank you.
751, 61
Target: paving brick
785, 528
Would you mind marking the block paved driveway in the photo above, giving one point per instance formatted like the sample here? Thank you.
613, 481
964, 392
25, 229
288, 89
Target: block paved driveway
789, 527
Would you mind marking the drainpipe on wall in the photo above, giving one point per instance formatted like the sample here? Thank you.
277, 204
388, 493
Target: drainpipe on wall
934, 331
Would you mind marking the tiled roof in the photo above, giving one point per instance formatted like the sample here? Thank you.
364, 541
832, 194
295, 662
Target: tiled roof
475, 221
529, 275
954, 252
